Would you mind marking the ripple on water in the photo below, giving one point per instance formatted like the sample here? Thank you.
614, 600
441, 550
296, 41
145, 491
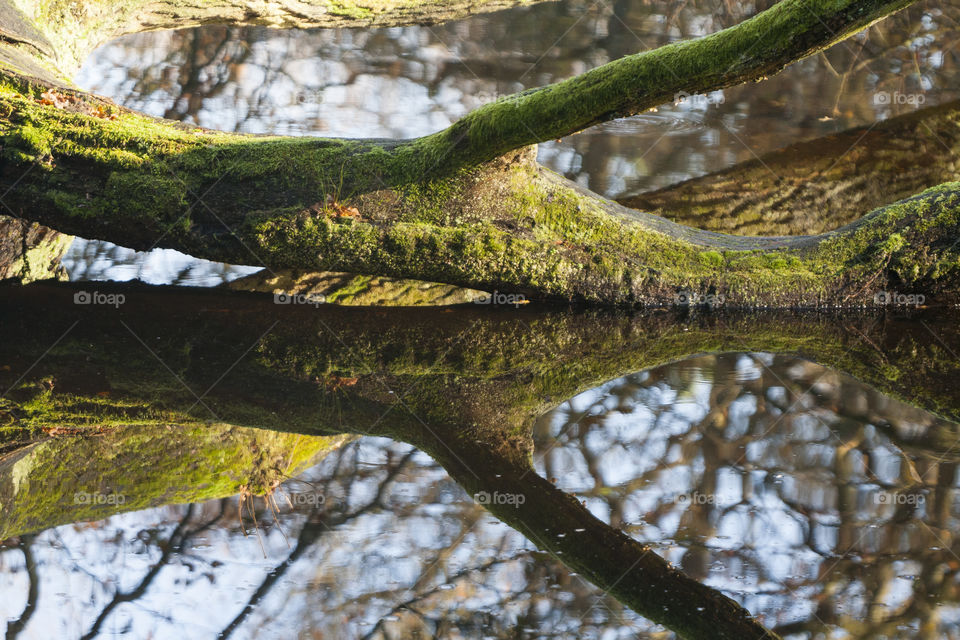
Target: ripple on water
669, 122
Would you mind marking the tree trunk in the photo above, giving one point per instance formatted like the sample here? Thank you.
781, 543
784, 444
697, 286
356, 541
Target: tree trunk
468, 206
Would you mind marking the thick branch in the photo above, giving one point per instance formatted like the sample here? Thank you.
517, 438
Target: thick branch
818, 185
426, 209
754, 49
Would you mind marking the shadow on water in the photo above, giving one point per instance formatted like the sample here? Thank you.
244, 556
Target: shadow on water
146, 396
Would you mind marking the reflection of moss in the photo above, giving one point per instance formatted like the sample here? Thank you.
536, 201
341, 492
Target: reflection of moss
462, 384
349, 289
468, 373
47, 483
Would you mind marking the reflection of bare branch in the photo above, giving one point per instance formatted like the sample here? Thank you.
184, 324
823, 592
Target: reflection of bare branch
15, 627
317, 523
175, 543
408, 604
811, 427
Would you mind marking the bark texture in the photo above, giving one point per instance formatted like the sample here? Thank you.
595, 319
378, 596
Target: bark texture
29, 251
818, 185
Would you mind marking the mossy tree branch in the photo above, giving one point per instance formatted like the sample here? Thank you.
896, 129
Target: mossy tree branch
756, 48
446, 208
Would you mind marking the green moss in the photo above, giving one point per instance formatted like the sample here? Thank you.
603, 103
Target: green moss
348, 9
713, 258
504, 225
356, 286
63, 478
29, 144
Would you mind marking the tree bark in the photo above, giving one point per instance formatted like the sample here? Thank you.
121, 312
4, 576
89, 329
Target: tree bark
29, 251
818, 185
451, 207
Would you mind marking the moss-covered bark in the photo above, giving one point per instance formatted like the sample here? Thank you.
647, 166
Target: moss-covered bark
451, 208
103, 172
29, 251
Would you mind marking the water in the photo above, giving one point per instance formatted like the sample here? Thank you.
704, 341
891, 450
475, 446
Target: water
816, 500
797, 464
411, 81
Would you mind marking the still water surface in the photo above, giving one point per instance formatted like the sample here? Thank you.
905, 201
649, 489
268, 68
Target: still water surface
780, 482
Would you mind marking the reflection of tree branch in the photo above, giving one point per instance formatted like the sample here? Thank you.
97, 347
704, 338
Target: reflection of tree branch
311, 532
463, 573
33, 592
175, 543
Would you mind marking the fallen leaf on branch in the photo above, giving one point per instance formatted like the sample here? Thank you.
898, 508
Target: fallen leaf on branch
52, 98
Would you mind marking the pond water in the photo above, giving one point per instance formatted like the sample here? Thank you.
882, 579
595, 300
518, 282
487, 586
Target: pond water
822, 503
804, 466
761, 475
